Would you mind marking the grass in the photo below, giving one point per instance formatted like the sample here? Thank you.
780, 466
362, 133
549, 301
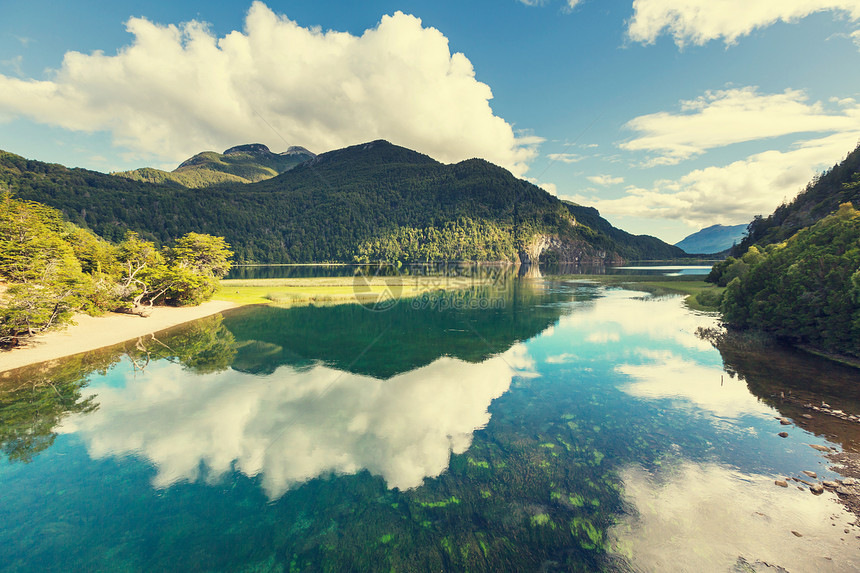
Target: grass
333, 290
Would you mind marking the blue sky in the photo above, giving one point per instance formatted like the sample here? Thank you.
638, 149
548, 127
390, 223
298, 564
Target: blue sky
667, 115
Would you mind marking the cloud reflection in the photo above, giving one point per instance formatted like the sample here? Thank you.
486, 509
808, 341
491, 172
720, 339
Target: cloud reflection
624, 313
710, 388
708, 517
294, 425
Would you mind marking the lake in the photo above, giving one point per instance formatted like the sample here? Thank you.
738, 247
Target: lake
530, 425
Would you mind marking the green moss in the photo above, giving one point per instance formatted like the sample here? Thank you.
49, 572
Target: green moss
589, 535
542, 519
386, 538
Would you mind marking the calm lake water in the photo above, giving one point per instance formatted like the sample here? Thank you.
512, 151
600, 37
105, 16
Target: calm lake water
465, 269
536, 425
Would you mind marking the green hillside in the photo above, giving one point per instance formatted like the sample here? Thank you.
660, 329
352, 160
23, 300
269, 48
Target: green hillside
823, 196
241, 164
805, 290
374, 201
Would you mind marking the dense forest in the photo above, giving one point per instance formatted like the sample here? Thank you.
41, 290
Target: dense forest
50, 268
805, 289
823, 196
375, 201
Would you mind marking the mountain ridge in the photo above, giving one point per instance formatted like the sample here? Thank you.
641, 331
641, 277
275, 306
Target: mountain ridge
712, 240
245, 163
374, 201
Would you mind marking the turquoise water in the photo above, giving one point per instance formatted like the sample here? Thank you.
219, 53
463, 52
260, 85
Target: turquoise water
537, 425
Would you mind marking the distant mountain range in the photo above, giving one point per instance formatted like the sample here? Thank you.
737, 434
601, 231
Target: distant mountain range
713, 239
369, 202
240, 164
822, 197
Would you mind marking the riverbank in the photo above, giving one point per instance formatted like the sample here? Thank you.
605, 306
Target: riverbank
94, 332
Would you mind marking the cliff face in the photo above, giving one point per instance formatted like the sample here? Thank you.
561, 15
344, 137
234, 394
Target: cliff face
566, 251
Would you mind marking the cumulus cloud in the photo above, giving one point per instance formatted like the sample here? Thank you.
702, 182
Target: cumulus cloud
298, 424
734, 193
605, 180
700, 21
179, 89
724, 117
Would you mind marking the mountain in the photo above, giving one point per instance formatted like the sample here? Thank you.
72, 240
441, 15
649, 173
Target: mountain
822, 197
370, 202
240, 164
713, 239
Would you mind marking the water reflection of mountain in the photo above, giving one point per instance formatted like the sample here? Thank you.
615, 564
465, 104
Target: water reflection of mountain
470, 325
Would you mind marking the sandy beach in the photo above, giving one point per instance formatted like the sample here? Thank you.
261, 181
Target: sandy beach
91, 333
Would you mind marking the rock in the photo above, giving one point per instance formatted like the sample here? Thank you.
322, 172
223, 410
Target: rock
837, 412
813, 475
817, 489
807, 416
780, 483
783, 434
796, 534
785, 421
830, 484
849, 481
819, 448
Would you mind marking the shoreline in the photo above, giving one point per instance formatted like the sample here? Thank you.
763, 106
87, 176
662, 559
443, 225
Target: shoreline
95, 332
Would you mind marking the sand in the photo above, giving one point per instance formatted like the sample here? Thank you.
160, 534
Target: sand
91, 333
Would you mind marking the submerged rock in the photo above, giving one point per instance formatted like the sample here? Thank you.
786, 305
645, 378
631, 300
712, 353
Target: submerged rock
783, 434
813, 475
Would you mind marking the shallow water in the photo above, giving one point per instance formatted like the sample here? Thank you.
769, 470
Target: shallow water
535, 425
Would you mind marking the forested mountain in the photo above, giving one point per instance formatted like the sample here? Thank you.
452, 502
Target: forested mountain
240, 164
374, 201
823, 196
713, 239
805, 289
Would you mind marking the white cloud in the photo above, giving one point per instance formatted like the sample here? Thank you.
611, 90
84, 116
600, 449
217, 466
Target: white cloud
297, 425
177, 90
605, 180
700, 21
569, 4
724, 117
565, 157
855, 37
734, 193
